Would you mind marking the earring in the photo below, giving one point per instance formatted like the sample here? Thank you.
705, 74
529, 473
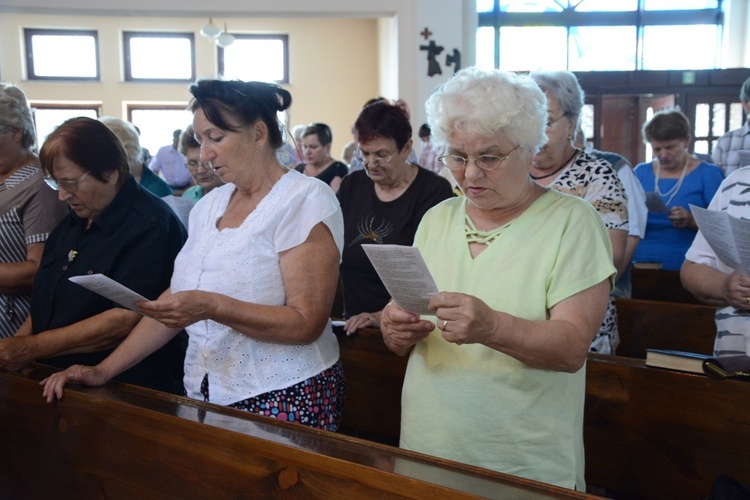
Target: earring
260, 148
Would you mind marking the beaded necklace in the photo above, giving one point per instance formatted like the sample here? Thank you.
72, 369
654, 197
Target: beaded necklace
671, 193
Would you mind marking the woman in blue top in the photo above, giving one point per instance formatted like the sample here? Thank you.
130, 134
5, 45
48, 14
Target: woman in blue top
673, 181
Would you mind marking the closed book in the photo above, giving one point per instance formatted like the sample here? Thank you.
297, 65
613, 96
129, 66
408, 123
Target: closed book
724, 367
676, 360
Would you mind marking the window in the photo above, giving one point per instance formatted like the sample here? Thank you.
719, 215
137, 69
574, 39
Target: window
599, 35
49, 54
156, 122
262, 58
48, 116
159, 56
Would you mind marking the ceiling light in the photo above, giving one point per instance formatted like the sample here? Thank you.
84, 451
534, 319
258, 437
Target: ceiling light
210, 30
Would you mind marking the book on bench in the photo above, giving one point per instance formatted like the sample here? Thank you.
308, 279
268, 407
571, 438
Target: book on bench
724, 367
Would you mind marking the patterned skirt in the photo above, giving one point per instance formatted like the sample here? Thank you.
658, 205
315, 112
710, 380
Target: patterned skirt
315, 402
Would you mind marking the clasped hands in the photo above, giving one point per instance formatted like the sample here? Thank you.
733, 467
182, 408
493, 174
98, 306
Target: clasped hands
679, 217
461, 318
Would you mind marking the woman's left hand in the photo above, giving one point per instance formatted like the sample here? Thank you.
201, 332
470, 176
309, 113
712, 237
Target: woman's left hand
464, 319
362, 320
679, 217
180, 309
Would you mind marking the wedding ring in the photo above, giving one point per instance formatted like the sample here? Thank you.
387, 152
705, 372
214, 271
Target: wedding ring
747, 300
445, 321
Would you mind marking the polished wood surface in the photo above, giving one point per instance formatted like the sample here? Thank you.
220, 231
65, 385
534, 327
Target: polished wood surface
659, 284
661, 434
651, 324
126, 442
648, 433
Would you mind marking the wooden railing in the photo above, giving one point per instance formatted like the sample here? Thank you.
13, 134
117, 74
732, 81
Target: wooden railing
126, 442
648, 433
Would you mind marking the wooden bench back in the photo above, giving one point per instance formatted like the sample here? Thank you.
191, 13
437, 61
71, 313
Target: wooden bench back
122, 441
659, 284
649, 433
650, 324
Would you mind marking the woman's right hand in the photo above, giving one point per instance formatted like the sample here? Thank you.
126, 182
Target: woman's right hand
402, 329
736, 290
87, 375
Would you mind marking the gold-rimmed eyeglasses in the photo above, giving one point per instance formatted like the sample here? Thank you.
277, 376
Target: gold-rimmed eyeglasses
485, 162
194, 164
69, 186
378, 158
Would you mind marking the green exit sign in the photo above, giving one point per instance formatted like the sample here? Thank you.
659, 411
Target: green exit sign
688, 77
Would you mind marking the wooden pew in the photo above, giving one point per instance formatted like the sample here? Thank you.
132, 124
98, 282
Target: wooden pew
650, 324
126, 442
659, 284
661, 434
649, 433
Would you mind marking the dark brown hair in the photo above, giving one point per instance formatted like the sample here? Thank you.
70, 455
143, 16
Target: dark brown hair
88, 143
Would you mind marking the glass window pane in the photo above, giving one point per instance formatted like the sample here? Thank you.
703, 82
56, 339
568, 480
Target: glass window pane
51, 56
606, 5
531, 6
147, 58
735, 115
697, 47
157, 125
587, 121
543, 48
720, 115
485, 5
588, 53
255, 59
701, 147
486, 48
700, 127
48, 119
679, 4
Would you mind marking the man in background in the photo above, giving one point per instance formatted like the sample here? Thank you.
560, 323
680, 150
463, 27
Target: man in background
171, 165
732, 150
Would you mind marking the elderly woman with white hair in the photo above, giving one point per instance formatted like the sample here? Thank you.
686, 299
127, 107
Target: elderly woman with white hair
128, 135
496, 378
29, 210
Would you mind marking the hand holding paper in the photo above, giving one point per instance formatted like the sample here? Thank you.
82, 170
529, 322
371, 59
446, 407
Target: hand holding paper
405, 275
109, 288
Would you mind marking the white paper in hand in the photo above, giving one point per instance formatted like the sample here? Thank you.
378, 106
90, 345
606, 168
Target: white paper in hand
109, 288
405, 275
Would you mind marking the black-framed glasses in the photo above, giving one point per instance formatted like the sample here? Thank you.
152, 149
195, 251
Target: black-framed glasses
194, 164
69, 186
378, 158
485, 162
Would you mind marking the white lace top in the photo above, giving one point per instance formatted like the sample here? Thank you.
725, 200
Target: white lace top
243, 263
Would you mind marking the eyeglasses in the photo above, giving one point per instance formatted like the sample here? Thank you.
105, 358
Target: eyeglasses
552, 122
378, 158
485, 162
195, 164
69, 186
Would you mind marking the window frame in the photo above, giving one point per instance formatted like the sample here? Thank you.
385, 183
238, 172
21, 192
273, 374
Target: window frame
569, 17
261, 36
127, 57
29, 33
48, 105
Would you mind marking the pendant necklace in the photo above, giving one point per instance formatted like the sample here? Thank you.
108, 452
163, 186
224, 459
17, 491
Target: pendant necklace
671, 193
